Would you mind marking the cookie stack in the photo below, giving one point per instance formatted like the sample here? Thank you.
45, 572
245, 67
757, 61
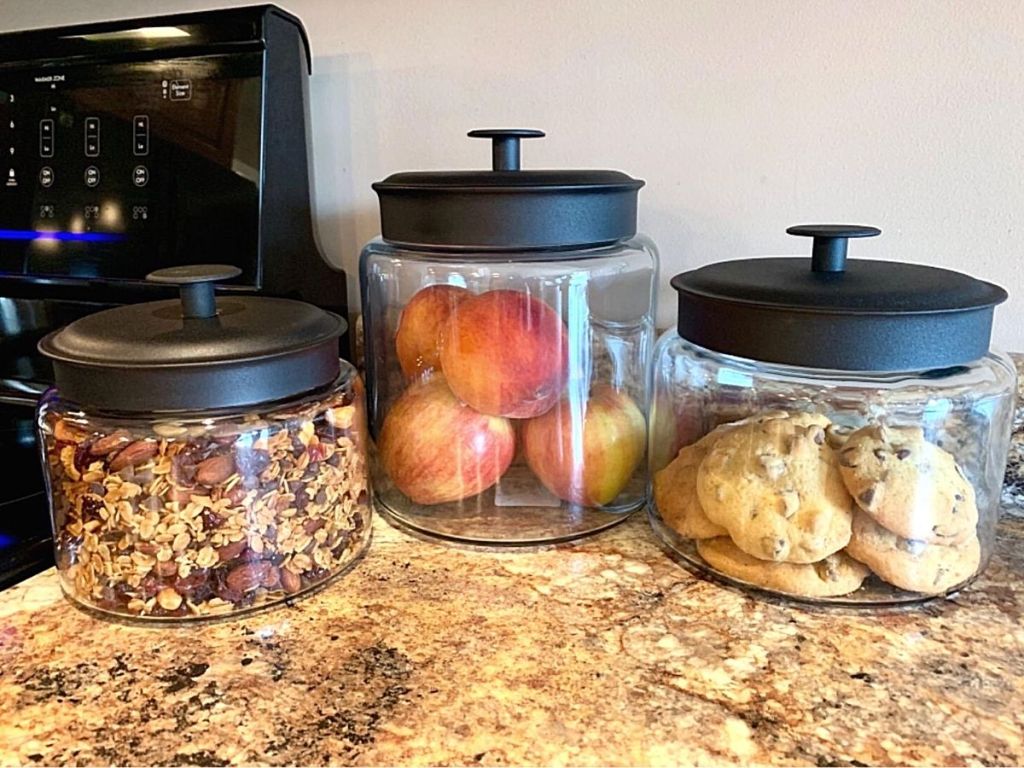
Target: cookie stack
790, 503
916, 522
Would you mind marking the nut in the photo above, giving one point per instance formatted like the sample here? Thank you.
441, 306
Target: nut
215, 470
135, 453
231, 551
110, 443
248, 576
168, 599
290, 582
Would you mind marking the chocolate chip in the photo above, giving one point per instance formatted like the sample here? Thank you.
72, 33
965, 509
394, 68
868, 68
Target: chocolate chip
902, 453
867, 497
959, 497
880, 454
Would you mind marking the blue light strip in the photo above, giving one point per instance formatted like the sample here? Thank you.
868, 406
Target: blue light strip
38, 234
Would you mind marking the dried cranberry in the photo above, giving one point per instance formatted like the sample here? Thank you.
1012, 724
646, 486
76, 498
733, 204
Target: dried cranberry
251, 462
183, 470
274, 558
195, 587
339, 548
114, 596
236, 495
211, 520
181, 610
150, 586
83, 458
315, 575
316, 452
220, 587
301, 499
91, 507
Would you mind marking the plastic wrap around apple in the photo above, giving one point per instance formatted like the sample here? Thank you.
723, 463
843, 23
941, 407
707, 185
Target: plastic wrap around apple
505, 353
418, 339
436, 449
587, 457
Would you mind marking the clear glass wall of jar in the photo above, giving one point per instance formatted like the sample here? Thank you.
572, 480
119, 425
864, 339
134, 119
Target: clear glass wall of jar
922, 451
193, 515
831, 429
508, 395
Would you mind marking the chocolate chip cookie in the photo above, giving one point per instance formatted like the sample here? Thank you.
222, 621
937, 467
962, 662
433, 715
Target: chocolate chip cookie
775, 487
909, 485
675, 492
913, 565
837, 574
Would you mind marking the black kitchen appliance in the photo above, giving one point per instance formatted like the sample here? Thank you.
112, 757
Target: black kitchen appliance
132, 146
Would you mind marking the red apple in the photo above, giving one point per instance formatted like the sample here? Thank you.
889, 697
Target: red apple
437, 449
587, 457
505, 353
417, 340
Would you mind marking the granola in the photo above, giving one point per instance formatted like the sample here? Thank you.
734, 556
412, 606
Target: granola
201, 517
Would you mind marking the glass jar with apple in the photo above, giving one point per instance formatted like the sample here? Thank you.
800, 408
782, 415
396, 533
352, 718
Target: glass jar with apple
509, 321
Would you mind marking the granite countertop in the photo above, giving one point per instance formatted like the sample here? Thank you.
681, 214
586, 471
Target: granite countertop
602, 653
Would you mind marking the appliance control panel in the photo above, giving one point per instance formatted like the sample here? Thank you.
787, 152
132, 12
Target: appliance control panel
111, 170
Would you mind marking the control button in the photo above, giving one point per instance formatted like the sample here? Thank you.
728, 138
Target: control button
92, 137
46, 138
12, 179
140, 130
92, 212
92, 176
140, 212
181, 90
47, 212
46, 177
140, 176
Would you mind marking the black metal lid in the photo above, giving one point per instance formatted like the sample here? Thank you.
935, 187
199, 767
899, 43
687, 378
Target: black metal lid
507, 209
835, 313
195, 354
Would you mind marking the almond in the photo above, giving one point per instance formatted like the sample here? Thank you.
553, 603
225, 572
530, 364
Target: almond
135, 453
247, 577
231, 551
110, 443
215, 470
290, 582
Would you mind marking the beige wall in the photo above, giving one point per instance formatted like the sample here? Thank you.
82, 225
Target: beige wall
742, 116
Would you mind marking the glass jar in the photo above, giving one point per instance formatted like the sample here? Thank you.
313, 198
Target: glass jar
835, 435
509, 321
182, 489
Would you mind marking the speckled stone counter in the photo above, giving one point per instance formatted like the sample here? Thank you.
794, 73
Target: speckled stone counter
1013, 486
606, 653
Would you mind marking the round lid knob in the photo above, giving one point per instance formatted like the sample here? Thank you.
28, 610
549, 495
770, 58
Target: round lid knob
840, 313
828, 254
507, 208
196, 283
197, 352
505, 145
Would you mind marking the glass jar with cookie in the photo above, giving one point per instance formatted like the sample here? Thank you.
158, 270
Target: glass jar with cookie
834, 430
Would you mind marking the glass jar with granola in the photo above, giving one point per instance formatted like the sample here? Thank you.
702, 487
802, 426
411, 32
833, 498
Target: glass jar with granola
179, 497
